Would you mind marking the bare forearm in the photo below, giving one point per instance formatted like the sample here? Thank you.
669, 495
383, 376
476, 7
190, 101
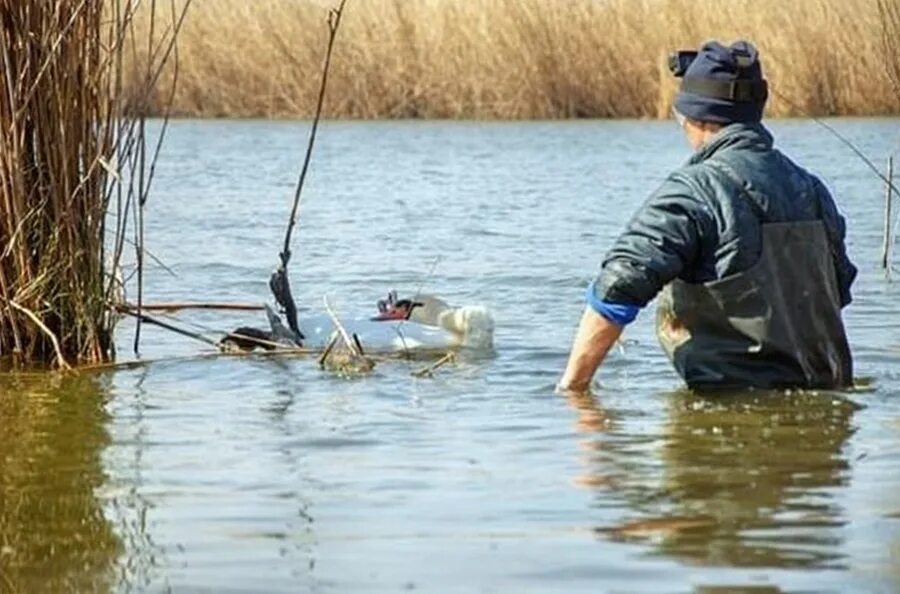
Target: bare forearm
595, 336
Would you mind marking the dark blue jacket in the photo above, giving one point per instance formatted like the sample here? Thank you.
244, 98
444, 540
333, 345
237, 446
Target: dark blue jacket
704, 222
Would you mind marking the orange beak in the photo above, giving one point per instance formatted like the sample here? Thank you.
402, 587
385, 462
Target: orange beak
391, 314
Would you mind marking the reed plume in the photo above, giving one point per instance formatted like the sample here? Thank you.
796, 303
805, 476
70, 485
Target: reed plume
75, 168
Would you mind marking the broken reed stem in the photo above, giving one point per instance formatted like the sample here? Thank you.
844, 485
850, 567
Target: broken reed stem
273, 346
888, 193
359, 346
140, 315
179, 306
358, 362
73, 167
339, 327
328, 348
60, 359
429, 371
171, 328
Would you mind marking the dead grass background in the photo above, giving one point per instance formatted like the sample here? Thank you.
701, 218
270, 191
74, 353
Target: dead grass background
522, 58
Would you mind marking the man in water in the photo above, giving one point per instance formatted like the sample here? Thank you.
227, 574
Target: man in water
745, 249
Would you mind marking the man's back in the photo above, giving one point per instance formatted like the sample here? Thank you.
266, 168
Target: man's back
710, 213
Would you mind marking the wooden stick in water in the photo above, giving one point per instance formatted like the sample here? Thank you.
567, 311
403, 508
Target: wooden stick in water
148, 320
275, 346
886, 246
176, 306
122, 365
429, 371
328, 349
359, 346
334, 22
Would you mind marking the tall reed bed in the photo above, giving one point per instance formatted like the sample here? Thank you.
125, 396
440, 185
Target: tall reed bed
522, 58
889, 15
75, 168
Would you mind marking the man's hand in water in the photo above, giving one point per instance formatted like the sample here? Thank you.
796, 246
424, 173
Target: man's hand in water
595, 336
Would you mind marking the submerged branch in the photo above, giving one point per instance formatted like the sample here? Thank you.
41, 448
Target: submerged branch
429, 371
60, 358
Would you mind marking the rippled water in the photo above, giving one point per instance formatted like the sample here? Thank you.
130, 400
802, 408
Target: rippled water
262, 475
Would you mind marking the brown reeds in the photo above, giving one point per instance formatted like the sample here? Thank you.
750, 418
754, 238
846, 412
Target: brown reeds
521, 58
889, 15
75, 168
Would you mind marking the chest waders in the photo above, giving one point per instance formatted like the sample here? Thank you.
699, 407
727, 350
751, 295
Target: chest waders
775, 325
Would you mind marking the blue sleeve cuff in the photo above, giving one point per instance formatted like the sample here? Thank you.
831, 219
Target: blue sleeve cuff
617, 313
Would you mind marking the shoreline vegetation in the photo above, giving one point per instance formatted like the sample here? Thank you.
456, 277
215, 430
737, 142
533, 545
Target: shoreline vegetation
521, 59
75, 172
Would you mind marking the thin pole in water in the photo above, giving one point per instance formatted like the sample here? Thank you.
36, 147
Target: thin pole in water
279, 283
334, 21
155, 322
886, 247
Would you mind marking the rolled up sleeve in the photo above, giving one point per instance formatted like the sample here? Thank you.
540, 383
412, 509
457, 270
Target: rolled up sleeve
617, 313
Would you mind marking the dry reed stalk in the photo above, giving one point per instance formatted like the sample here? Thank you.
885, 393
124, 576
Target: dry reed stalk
888, 196
328, 348
349, 343
170, 327
279, 282
428, 371
179, 306
74, 168
889, 13
520, 58
350, 359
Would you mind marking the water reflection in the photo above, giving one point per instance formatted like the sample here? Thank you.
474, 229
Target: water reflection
125, 504
53, 534
727, 481
208, 477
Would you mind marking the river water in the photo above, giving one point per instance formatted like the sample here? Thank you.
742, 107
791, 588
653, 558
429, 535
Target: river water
269, 475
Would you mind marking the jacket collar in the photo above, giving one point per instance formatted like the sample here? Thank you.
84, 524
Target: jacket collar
739, 136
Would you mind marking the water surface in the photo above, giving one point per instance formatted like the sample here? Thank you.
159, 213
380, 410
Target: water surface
226, 475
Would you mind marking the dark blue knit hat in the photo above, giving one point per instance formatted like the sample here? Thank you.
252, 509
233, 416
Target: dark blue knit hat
723, 84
